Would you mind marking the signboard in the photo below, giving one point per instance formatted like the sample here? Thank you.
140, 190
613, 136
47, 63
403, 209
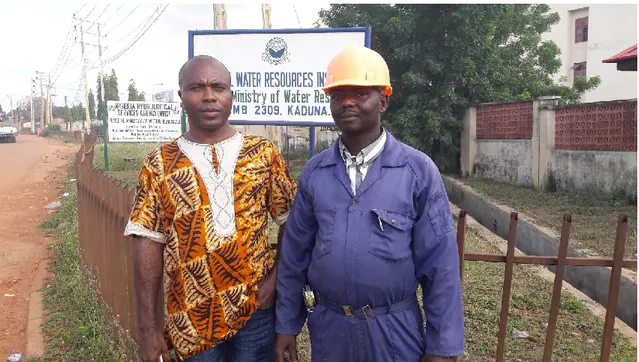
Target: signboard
166, 97
155, 122
277, 75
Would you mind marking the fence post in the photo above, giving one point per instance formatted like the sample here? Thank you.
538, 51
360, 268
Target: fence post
461, 239
613, 291
469, 141
546, 144
508, 281
556, 291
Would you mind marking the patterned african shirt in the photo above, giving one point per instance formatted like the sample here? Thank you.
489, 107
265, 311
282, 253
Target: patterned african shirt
209, 204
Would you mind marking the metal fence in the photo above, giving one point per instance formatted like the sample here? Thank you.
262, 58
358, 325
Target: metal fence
104, 206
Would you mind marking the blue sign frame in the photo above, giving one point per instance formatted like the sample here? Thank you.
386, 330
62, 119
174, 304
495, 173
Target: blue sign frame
367, 42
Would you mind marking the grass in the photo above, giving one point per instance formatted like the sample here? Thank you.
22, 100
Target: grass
579, 332
594, 220
74, 325
117, 152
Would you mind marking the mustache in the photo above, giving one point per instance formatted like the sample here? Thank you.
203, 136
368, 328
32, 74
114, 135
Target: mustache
210, 108
349, 114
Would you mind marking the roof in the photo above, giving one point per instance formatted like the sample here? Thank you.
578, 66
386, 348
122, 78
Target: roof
630, 53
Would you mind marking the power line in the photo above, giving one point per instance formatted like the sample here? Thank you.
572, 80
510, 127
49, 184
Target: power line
141, 25
98, 18
119, 54
121, 21
65, 46
115, 12
297, 16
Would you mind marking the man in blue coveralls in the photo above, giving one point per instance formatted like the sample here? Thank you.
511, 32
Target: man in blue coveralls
370, 221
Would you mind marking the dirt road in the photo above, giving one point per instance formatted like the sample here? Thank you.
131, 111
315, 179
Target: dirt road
31, 175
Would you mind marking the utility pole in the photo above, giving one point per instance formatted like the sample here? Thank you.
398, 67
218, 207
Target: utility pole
13, 113
87, 126
271, 131
102, 95
48, 117
32, 116
219, 16
84, 70
51, 95
40, 74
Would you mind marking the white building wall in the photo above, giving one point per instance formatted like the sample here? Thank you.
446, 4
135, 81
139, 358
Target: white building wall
611, 29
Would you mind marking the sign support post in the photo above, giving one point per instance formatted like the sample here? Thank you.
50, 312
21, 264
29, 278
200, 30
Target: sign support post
105, 135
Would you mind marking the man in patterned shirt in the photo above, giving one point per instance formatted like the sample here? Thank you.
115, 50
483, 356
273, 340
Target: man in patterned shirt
200, 213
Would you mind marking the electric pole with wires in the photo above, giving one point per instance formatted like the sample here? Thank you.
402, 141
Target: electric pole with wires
84, 67
42, 101
33, 86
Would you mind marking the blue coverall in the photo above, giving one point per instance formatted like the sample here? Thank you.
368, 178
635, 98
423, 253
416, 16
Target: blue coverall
365, 254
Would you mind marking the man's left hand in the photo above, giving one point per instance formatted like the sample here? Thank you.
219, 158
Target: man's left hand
266, 290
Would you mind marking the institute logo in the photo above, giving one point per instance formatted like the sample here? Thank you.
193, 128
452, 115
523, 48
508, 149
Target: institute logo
276, 52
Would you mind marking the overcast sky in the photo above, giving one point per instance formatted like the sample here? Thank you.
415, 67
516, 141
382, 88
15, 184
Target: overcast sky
32, 37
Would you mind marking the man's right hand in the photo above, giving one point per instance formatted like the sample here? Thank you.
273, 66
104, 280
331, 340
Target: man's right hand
286, 343
151, 346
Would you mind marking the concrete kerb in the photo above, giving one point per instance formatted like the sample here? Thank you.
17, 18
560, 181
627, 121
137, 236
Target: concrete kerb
536, 240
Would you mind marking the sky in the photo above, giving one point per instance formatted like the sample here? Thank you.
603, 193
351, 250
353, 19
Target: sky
39, 31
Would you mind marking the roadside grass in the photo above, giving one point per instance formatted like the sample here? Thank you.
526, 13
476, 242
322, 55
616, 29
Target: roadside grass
74, 325
594, 220
579, 332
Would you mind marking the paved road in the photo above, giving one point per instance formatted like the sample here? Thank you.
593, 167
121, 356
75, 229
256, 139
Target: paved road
31, 175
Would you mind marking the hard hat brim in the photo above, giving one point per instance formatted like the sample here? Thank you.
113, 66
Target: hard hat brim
387, 89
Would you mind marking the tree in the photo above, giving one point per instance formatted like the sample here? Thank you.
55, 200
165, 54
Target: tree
1, 108
446, 57
75, 113
57, 112
133, 93
110, 91
91, 104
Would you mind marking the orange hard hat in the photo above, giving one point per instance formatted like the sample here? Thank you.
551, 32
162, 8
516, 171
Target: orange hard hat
358, 66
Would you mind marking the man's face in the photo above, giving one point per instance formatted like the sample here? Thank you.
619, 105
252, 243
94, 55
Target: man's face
357, 109
206, 94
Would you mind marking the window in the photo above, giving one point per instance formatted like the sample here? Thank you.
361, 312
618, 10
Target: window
579, 70
581, 30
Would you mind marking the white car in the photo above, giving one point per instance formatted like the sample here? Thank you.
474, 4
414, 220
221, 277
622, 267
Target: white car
8, 134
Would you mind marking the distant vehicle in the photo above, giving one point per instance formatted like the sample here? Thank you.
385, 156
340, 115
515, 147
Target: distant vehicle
8, 134
3, 117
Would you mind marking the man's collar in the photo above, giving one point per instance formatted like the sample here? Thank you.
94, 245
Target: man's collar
392, 155
366, 150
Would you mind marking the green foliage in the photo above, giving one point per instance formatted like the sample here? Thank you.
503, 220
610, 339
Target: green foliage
133, 93
51, 128
444, 58
110, 92
74, 114
91, 103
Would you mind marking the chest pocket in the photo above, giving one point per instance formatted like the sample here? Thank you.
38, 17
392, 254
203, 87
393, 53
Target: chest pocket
324, 236
390, 236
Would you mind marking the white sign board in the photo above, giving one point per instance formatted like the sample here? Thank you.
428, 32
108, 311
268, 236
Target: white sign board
277, 77
143, 121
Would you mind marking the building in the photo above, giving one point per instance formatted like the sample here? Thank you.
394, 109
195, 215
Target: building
589, 34
625, 60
